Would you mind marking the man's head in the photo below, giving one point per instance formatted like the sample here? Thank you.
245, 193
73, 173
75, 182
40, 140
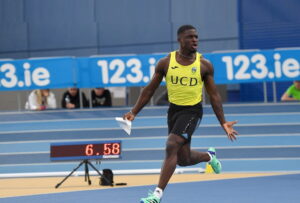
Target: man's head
183, 28
297, 84
73, 91
99, 91
187, 37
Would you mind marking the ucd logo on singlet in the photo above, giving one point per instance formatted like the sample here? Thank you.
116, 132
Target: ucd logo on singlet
184, 81
194, 70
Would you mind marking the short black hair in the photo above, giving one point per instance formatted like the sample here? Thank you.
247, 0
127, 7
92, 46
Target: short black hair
183, 28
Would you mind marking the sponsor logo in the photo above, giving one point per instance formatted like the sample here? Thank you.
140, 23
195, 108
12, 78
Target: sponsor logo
194, 69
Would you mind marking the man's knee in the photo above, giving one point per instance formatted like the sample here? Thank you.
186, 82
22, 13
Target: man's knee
174, 143
172, 147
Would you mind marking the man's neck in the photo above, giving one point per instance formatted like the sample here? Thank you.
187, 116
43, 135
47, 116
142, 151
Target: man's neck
190, 56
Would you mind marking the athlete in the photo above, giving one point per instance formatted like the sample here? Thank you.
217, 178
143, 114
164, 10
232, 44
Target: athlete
185, 71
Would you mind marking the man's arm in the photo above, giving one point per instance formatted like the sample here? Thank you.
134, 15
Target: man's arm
215, 98
287, 95
148, 91
63, 101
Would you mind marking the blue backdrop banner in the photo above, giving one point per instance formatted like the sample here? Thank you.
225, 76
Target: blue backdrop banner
38, 74
137, 70
258, 66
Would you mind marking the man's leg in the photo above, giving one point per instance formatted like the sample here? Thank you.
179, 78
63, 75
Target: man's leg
174, 143
188, 157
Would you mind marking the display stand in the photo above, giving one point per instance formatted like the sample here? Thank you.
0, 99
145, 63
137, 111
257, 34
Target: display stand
86, 163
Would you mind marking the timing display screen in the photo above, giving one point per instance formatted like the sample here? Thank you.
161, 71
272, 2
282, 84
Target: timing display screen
85, 150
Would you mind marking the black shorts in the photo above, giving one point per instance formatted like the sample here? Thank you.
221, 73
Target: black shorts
183, 120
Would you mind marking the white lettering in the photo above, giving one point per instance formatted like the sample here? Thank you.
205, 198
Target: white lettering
10, 75
277, 65
290, 68
27, 76
41, 76
229, 66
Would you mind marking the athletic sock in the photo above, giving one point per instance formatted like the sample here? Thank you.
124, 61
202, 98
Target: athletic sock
158, 192
210, 157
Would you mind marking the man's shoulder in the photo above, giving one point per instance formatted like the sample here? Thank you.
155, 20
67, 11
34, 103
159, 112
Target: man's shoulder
165, 58
106, 92
292, 89
204, 61
206, 65
164, 62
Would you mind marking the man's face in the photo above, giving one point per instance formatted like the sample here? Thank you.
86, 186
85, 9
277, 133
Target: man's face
297, 84
188, 40
73, 91
99, 91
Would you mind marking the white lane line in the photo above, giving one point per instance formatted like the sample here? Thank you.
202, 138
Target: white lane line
58, 120
147, 161
24, 153
146, 117
148, 107
225, 147
150, 138
87, 110
76, 162
144, 127
67, 111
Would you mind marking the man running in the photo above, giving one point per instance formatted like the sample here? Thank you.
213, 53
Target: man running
185, 71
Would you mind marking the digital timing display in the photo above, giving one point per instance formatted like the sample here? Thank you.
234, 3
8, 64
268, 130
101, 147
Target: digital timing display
85, 150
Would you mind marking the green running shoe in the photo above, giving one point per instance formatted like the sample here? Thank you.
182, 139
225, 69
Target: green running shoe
214, 162
150, 199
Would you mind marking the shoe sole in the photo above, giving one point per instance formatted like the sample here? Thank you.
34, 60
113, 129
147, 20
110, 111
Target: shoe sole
216, 170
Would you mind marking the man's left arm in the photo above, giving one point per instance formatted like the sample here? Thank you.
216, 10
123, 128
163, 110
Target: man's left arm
215, 99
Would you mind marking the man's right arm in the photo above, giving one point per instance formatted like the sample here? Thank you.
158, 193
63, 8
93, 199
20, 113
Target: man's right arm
148, 90
287, 95
215, 99
63, 101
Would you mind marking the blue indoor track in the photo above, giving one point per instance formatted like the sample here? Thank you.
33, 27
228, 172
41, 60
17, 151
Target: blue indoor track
269, 141
270, 189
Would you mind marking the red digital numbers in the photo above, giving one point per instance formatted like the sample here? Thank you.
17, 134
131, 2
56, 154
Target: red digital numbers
89, 151
108, 149
111, 148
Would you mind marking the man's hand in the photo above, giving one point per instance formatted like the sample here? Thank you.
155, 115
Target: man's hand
70, 106
129, 116
41, 108
228, 127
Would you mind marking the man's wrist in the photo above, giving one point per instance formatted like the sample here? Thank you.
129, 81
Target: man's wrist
132, 112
